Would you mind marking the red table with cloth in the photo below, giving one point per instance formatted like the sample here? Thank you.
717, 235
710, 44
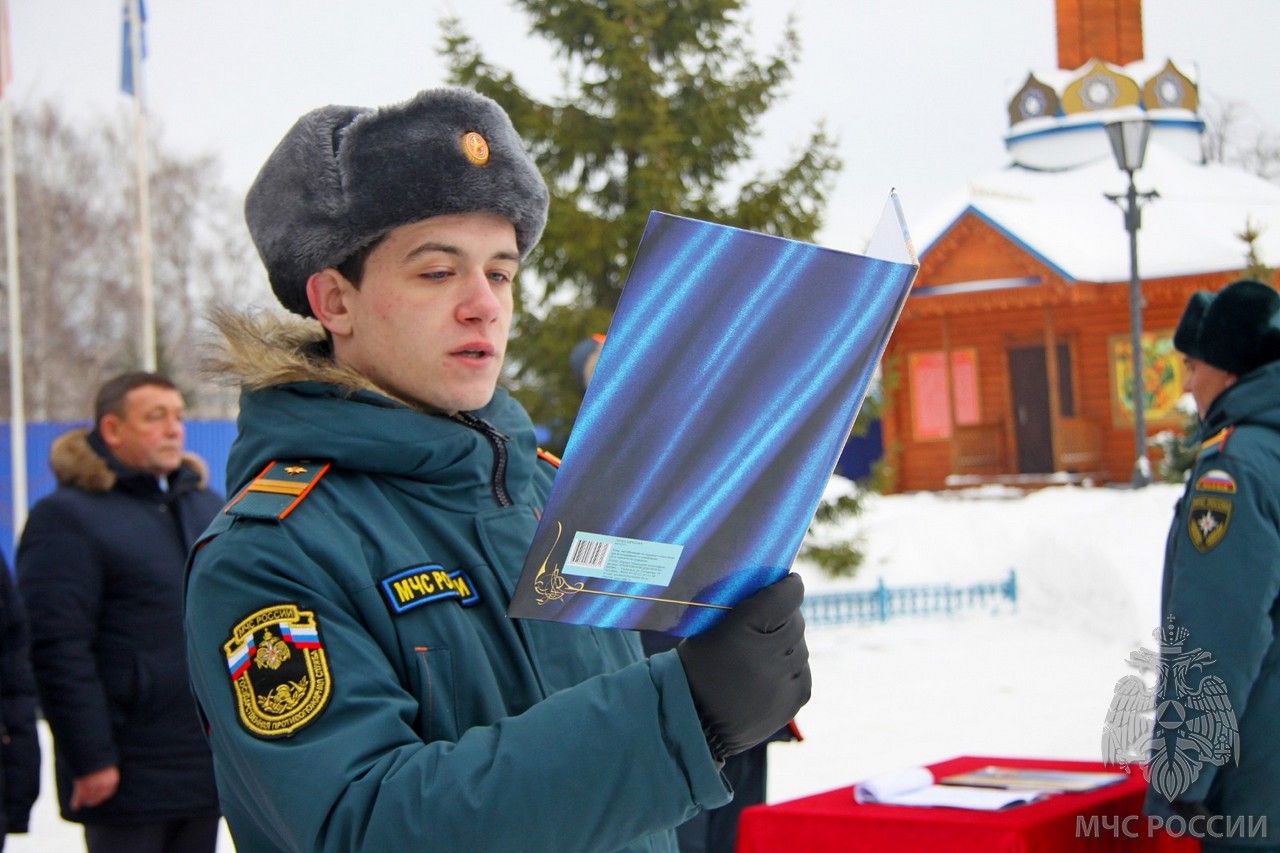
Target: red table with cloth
833, 821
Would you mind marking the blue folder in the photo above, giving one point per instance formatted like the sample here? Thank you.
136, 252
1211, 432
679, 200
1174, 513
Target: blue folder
730, 378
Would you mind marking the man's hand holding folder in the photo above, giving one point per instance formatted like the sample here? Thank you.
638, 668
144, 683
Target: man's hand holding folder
749, 673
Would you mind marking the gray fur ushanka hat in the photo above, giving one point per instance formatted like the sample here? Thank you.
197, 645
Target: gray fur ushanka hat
342, 177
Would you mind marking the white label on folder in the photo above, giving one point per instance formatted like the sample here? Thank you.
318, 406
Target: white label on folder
616, 558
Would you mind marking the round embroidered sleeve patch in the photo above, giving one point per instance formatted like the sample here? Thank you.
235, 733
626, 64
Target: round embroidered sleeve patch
279, 670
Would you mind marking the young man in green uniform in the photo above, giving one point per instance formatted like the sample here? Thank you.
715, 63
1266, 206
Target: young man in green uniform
346, 624
1215, 761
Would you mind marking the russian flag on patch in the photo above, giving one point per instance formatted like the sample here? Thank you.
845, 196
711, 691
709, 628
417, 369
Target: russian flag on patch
238, 661
301, 636
1217, 480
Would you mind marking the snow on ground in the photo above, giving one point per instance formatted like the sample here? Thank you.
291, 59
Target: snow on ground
49, 833
1036, 682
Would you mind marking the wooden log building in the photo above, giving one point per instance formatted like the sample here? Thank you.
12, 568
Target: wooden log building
1011, 361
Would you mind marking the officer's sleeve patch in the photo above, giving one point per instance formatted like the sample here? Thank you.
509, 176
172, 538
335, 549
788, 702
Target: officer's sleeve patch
1208, 520
279, 670
419, 585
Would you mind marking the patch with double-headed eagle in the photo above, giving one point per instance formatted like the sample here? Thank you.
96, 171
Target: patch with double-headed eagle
279, 671
1208, 520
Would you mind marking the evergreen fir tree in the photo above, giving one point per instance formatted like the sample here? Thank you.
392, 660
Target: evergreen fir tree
1179, 448
1255, 268
660, 111
661, 105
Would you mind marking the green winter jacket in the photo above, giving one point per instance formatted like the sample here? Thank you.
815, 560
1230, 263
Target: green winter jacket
349, 645
1222, 585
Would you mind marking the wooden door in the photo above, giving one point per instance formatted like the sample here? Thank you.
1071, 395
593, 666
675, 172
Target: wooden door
1031, 420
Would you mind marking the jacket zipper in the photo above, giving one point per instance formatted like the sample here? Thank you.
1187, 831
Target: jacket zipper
498, 442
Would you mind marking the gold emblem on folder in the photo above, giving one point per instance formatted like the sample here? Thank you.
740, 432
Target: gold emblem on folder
551, 585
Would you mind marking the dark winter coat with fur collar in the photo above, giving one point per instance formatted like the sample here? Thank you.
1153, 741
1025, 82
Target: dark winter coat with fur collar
100, 567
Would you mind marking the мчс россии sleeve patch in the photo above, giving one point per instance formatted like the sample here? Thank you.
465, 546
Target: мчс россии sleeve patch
279, 670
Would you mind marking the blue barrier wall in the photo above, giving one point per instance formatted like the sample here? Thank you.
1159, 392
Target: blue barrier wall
861, 453
209, 439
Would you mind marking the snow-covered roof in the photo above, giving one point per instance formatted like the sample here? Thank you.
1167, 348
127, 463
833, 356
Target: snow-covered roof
1064, 219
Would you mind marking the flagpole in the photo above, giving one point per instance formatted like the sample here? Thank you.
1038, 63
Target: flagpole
17, 397
145, 285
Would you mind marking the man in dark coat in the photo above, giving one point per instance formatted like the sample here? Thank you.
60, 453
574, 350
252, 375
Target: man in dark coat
100, 566
19, 746
1215, 758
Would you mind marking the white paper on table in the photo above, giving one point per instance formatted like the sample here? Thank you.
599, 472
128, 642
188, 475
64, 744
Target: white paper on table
914, 786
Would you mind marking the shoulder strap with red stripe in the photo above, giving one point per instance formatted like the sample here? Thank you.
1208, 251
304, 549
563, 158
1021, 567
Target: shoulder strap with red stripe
277, 490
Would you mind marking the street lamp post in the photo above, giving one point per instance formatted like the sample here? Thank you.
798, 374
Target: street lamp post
1129, 145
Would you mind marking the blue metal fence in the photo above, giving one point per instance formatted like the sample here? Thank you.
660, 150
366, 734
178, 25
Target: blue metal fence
209, 439
884, 602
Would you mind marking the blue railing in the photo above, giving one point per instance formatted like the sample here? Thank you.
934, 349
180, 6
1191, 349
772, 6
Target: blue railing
885, 602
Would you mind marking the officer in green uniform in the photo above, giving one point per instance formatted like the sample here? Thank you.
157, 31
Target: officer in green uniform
1215, 759
346, 613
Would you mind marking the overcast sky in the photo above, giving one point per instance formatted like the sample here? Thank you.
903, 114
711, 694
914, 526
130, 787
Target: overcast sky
915, 90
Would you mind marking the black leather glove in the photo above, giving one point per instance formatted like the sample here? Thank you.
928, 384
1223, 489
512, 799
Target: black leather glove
1189, 810
749, 674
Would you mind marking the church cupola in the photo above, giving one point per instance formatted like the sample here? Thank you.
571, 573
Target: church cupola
1056, 116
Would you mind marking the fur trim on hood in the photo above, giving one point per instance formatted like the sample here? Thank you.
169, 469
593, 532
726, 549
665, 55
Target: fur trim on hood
261, 350
76, 463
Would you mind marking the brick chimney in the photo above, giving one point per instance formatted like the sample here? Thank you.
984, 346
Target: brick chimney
1110, 30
